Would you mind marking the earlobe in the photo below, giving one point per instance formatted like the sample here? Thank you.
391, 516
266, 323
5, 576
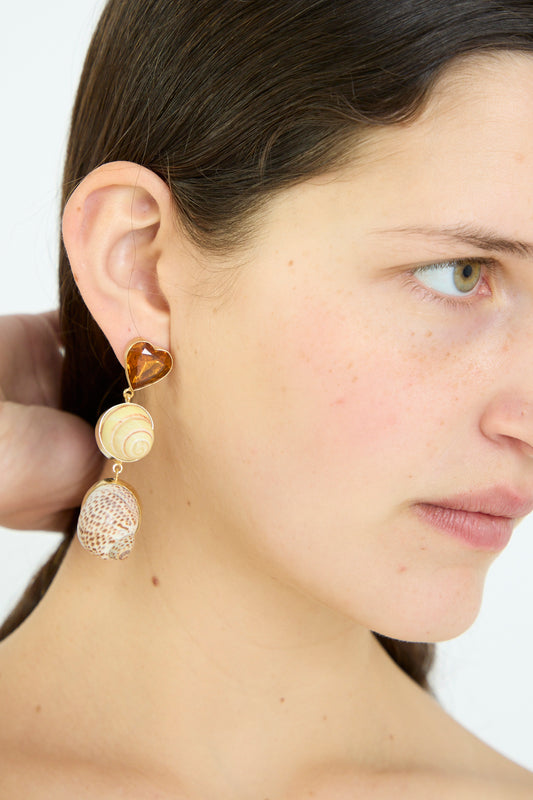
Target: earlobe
115, 229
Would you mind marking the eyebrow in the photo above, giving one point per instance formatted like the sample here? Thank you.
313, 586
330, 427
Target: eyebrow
475, 237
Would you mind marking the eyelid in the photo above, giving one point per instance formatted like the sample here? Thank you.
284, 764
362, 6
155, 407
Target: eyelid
486, 261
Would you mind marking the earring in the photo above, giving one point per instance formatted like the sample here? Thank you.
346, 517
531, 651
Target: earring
110, 513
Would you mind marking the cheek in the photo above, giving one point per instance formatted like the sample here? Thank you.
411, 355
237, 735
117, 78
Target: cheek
355, 392
311, 439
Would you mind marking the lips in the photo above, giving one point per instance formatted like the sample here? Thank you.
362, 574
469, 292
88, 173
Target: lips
496, 502
482, 520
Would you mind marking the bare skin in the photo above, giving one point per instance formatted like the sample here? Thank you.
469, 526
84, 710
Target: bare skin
431, 757
312, 408
36, 490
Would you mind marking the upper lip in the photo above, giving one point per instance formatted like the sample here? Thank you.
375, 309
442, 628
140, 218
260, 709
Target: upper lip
496, 502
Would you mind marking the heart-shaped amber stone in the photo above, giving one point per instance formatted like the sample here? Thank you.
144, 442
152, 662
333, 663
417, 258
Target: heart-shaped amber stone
146, 364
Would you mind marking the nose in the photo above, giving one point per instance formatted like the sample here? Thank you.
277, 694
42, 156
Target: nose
508, 420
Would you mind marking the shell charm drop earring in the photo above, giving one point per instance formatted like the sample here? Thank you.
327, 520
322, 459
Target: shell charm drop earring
110, 513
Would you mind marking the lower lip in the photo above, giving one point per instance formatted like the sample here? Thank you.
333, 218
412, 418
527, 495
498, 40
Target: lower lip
478, 531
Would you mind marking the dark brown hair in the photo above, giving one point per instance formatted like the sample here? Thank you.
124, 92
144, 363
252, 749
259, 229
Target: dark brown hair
230, 101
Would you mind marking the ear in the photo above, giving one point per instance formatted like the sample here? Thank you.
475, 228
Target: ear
117, 226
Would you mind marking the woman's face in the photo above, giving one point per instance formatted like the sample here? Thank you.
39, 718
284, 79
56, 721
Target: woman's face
344, 379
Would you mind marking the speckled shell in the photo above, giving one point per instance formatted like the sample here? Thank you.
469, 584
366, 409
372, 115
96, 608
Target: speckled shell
109, 519
125, 432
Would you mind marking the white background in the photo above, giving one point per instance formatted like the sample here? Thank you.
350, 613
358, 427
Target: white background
485, 677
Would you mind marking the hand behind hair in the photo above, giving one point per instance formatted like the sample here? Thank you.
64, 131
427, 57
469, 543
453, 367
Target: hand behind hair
48, 458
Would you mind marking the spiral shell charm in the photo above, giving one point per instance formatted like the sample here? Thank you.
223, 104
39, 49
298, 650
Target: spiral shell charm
125, 432
110, 514
109, 518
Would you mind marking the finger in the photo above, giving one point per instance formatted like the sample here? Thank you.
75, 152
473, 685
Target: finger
51, 318
48, 460
29, 520
30, 359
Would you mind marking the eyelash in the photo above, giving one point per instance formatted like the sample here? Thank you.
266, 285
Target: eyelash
490, 268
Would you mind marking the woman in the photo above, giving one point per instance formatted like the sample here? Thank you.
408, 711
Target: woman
322, 211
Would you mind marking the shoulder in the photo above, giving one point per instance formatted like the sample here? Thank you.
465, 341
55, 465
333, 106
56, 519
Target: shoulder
36, 762
417, 785
26, 777
30, 777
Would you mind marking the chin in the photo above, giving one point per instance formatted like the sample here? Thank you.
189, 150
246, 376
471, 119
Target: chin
446, 610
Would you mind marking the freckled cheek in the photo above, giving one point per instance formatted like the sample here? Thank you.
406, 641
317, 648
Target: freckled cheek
363, 416
338, 404
359, 394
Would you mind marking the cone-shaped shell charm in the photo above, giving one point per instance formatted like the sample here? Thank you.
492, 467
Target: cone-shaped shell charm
146, 364
125, 432
109, 518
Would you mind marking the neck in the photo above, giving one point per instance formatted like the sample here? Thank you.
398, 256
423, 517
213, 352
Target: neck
191, 653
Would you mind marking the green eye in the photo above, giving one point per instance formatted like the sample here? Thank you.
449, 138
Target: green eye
466, 276
451, 277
